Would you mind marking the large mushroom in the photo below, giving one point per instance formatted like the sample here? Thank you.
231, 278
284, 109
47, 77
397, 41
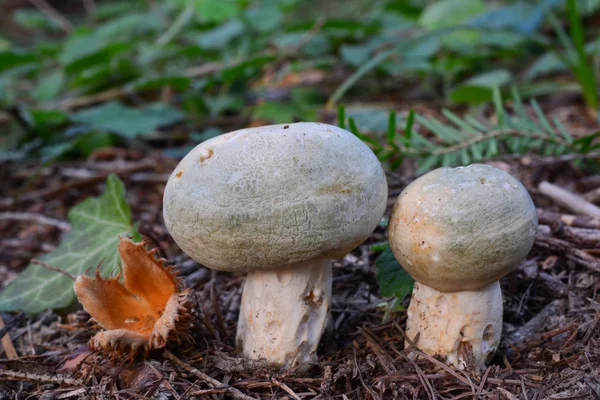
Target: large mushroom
457, 231
278, 202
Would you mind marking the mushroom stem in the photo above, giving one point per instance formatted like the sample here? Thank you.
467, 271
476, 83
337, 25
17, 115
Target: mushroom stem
284, 312
446, 322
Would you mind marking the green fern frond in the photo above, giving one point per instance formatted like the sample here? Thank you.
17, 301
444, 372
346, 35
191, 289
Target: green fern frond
462, 141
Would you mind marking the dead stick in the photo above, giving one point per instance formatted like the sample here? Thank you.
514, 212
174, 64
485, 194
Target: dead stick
53, 14
34, 217
582, 236
567, 250
571, 201
535, 324
580, 221
593, 196
7, 344
24, 376
209, 380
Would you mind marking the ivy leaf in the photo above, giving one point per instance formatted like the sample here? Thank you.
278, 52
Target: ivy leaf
97, 224
393, 279
126, 121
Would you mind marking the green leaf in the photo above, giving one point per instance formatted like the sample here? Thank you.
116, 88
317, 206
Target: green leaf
97, 224
341, 116
372, 119
80, 44
44, 121
12, 59
393, 279
49, 86
130, 23
480, 88
264, 18
587, 143
547, 64
409, 124
102, 56
179, 82
523, 18
355, 55
448, 13
219, 37
276, 112
126, 121
216, 10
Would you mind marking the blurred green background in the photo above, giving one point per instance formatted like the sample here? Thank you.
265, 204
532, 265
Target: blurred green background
164, 75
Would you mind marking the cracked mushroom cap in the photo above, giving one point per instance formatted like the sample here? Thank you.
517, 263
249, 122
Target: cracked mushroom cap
275, 195
462, 228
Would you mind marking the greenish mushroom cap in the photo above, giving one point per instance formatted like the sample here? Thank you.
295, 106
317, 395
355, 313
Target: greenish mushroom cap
462, 228
275, 195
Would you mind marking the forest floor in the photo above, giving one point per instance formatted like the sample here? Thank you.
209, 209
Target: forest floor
550, 347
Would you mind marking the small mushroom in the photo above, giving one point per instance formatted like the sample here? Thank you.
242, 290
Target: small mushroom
457, 231
278, 202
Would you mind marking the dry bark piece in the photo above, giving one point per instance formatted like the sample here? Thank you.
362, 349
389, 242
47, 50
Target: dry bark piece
140, 313
278, 202
457, 231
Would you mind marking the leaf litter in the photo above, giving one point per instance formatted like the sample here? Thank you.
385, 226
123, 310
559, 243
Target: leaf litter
550, 347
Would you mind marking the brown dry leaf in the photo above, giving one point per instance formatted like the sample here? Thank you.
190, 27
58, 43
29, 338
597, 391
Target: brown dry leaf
142, 312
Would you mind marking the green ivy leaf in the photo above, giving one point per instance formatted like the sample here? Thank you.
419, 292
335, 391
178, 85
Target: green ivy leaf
393, 279
97, 224
127, 121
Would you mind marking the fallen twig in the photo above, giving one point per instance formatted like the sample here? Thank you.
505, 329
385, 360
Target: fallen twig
53, 15
34, 217
25, 376
7, 343
581, 236
551, 218
566, 249
536, 324
571, 201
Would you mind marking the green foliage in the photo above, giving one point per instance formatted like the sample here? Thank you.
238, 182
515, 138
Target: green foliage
392, 278
394, 281
462, 141
572, 54
128, 122
97, 224
209, 59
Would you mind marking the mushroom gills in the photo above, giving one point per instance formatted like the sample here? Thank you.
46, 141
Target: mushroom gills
444, 323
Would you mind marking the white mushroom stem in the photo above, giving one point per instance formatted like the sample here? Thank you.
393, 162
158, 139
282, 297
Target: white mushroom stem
446, 322
284, 312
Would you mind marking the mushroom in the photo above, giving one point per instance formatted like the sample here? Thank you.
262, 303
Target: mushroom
278, 202
457, 231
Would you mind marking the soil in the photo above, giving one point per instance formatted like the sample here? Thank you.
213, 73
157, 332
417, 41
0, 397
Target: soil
551, 340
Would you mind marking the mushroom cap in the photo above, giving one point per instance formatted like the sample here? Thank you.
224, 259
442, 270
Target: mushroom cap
275, 195
462, 228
